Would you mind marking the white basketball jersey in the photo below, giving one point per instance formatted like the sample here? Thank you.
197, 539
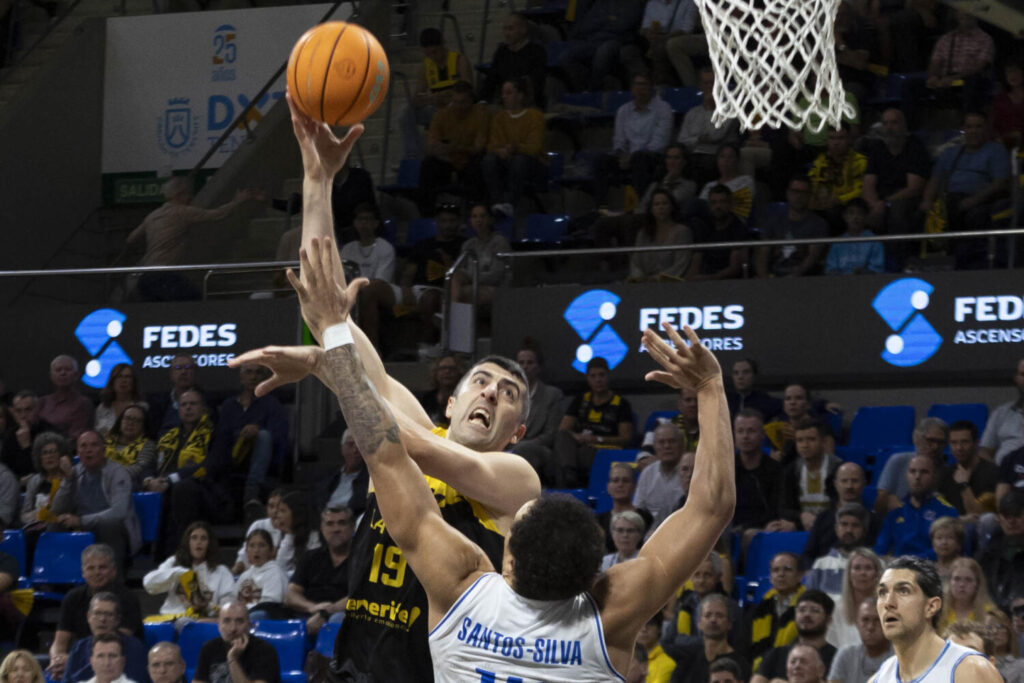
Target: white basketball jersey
941, 670
493, 635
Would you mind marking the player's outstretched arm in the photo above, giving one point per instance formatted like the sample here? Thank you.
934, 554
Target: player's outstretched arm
443, 559
323, 156
635, 590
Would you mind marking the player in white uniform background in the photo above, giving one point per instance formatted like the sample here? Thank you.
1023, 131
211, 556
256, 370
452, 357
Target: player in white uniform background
549, 615
909, 606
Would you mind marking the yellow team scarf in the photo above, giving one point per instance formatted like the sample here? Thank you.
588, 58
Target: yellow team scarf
188, 586
44, 514
194, 450
126, 455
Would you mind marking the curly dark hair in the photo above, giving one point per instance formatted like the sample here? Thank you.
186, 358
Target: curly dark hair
183, 556
557, 547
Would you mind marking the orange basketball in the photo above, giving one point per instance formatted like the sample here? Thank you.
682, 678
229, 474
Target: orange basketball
338, 73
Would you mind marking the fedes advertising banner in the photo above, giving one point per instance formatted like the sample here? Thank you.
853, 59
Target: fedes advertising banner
935, 328
175, 82
147, 336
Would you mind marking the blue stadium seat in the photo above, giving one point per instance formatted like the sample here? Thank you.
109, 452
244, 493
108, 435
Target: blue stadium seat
147, 508
583, 99
581, 495
389, 230
159, 632
682, 99
951, 412
551, 228
868, 496
766, 544
289, 639
58, 560
420, 229
325, 640
652, 419
408, 177
191, 640
613, 99
602, 465
876, 426
556, 165
13, 544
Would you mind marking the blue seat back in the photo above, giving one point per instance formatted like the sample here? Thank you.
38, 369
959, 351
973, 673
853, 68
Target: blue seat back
766, 544
583, 99
408, 173
877, 426
976, 413
556, 164
147, 508
652, 419
58, 557
556, 48
325, 640
602, 465
547, 227
389, 230
420, 229
191, 639
289, 639
158, 633
13, 544
682, 99
616, 98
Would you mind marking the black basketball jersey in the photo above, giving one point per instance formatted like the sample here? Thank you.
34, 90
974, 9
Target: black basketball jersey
384, 633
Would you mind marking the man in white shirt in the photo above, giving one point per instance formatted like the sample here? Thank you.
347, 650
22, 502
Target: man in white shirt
701, 137
659, 488
107, 660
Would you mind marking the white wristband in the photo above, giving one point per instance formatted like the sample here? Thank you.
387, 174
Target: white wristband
337, 335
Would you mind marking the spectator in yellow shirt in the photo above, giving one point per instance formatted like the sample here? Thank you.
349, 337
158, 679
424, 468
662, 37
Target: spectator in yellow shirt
515, 147
659, 665
837, 176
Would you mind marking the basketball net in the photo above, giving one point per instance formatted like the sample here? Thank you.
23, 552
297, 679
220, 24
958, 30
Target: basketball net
775, 63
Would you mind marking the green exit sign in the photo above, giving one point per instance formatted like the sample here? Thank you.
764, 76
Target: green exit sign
139, 190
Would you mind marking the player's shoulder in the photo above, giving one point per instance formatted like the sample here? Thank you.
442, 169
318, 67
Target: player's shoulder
886, 672
970, 666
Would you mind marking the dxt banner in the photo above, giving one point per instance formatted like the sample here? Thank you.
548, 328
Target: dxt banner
175, 82
938, 327
148, 337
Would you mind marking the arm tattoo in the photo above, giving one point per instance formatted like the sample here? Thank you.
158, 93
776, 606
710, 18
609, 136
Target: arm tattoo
364, 409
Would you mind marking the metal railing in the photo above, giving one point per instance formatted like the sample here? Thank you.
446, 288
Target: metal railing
446, 299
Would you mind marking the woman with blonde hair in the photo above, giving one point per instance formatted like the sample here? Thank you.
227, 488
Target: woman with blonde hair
947, 537
20, 667
965, 597
860, 577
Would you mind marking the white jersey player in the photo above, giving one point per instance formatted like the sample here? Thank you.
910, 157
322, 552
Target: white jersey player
588, 620
909, 606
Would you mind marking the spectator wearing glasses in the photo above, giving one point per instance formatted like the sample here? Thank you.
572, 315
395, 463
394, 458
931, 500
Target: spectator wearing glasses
163, 413
122, 390
104, 617
627, 533
127, 445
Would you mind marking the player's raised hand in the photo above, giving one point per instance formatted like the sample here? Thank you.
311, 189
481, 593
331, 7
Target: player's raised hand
324, 299
287, 364
689, 367
323, 154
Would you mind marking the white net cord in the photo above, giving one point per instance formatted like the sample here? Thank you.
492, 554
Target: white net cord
775, 63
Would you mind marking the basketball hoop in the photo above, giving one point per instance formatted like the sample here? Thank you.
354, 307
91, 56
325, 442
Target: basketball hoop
775, 63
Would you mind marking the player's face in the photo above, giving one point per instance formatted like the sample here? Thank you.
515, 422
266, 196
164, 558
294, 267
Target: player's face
486, 414
748, 433
904, 610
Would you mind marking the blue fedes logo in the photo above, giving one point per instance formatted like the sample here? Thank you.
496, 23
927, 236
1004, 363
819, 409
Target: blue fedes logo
914, 340
588, 316
97, 332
